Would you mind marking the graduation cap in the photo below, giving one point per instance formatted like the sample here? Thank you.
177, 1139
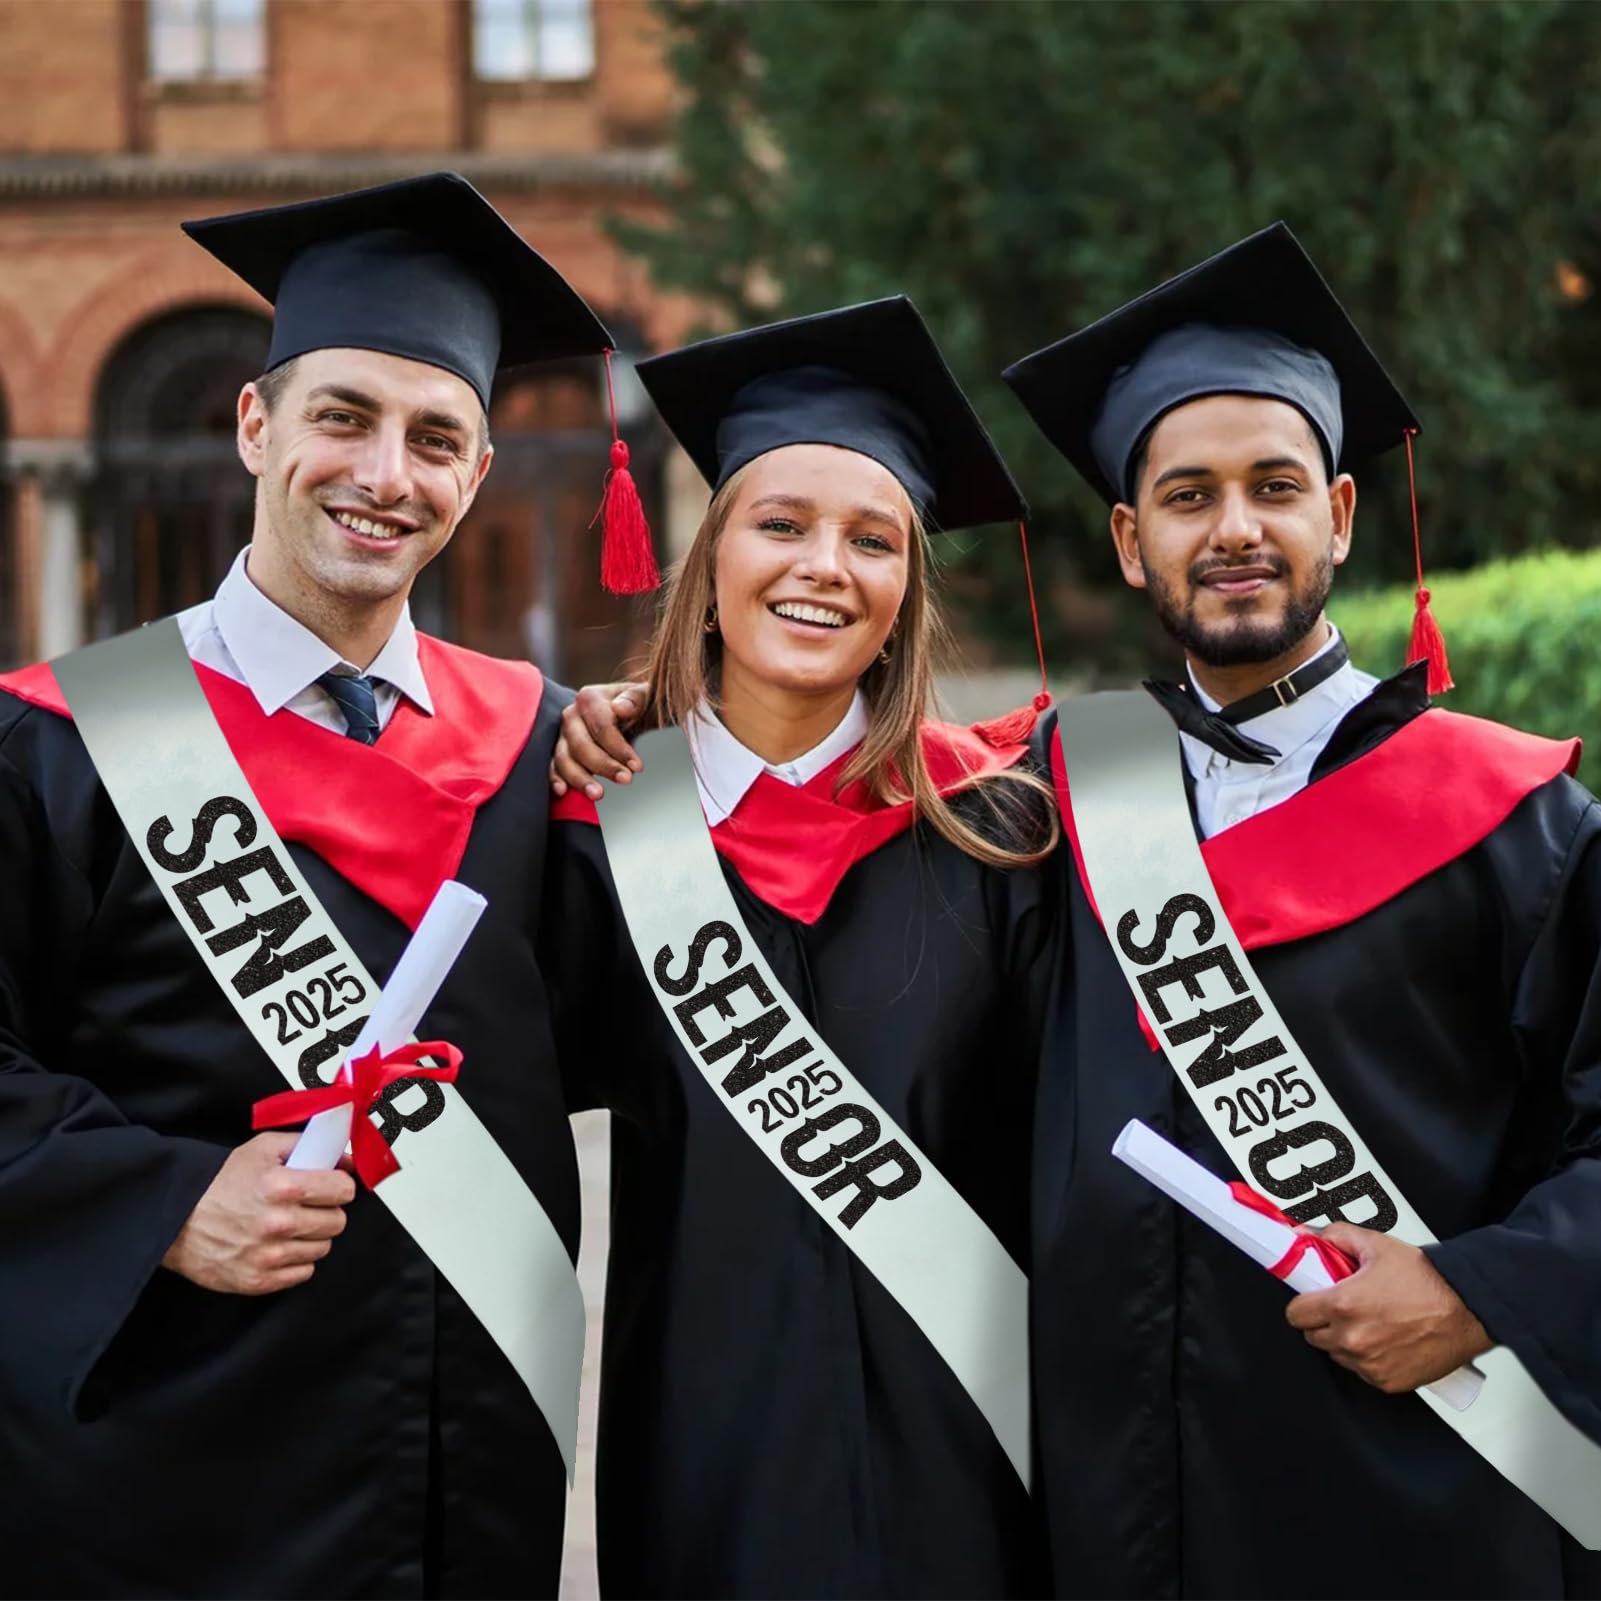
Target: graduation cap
868, 378
1255, 319
424, 268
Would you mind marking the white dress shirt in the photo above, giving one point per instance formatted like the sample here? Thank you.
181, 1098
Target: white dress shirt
1227, 792
255, 642
725, 769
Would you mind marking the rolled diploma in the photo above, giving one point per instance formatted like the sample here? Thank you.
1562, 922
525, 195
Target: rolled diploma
1264, 1240
429, 955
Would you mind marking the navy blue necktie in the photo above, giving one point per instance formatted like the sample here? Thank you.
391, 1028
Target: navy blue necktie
357, 699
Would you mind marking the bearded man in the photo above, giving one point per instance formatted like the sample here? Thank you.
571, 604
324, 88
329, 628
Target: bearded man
1419, 897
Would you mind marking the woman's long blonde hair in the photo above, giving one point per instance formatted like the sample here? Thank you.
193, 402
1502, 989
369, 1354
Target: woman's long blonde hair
684, 666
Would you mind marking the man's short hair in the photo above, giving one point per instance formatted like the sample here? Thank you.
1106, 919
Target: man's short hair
1137, 467
271, 385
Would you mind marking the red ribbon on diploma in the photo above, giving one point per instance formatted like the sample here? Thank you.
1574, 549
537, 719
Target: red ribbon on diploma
359, 1084
1340, 1266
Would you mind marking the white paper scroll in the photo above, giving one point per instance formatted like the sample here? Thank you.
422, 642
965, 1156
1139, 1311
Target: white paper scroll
429, 955
1202, 1194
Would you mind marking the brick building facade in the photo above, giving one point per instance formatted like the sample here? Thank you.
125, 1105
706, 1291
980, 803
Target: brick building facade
123, 345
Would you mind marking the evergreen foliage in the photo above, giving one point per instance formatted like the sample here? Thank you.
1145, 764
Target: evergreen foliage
1524, 636
1020, 167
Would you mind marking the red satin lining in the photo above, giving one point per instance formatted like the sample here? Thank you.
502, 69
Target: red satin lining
392, 818
793, 846
1345, 845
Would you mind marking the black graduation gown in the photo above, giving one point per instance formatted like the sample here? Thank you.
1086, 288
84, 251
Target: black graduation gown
360, 1435
772, 1423
1191, 1443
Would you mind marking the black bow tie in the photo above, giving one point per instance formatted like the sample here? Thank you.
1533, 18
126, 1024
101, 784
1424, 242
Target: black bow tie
1220, 729
1211, 728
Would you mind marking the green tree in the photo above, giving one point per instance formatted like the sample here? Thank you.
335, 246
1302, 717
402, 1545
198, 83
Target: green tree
1020, 167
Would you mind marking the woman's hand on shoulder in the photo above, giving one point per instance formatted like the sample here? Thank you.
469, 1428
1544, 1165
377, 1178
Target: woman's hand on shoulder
591, 746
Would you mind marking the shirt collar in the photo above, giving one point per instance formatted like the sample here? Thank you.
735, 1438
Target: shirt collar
279, 657
725, 769
1288, 728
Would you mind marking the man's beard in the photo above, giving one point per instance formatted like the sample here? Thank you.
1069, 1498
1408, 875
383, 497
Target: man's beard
1243, 639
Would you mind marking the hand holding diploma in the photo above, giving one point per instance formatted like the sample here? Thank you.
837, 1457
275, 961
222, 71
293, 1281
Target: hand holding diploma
1395, 1322
1387, 1315
423, 965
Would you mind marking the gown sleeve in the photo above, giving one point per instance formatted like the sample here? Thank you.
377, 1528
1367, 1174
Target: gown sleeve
1534, 1279
89, 1203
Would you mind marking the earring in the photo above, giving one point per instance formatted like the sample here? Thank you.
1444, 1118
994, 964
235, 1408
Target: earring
884, 655
710, 625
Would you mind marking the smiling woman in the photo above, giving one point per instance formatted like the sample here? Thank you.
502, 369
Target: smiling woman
804, 588
773, 1419
823, 485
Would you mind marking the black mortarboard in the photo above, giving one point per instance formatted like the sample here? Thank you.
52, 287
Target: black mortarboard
1255, 319
869, 378
424, 268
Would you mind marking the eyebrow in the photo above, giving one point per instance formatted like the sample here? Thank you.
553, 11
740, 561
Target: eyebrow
351, 397
1266, 464
876, 514
446, 422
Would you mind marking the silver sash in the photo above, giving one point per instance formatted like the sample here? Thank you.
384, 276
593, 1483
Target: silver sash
807, 1112
1225, 1040
287, 971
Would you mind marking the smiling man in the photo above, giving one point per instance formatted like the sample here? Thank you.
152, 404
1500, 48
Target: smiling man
220, 1376
1419, 896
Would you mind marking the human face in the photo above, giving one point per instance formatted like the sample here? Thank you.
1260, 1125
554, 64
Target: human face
1236, 530
367, 463
810, 570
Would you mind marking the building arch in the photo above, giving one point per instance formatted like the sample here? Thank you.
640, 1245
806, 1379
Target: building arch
170, 504
172, 280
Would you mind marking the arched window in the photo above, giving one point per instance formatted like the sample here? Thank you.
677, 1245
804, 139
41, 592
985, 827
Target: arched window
171, 504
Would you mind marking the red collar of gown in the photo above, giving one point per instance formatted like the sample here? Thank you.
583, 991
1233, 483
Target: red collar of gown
392, 818
1431, 791
792, 845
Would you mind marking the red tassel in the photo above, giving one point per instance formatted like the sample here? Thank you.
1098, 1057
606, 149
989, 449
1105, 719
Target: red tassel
1428, 644
1013, 727
627, 559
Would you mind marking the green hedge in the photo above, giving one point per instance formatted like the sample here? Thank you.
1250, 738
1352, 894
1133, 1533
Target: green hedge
1524, 637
